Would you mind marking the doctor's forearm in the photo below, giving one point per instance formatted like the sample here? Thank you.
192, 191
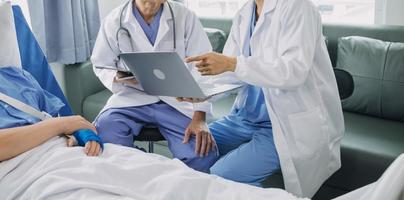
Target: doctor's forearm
15, 141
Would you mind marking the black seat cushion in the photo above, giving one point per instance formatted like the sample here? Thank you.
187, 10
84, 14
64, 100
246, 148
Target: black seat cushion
149, 134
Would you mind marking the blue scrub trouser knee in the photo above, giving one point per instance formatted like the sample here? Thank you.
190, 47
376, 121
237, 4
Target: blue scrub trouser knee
121, 125
248, 153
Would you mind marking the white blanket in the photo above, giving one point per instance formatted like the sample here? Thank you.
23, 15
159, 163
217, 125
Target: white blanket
54, 171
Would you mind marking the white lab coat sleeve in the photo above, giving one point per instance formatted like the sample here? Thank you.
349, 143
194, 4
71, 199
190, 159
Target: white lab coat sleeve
197, 43
104, 55
290, 66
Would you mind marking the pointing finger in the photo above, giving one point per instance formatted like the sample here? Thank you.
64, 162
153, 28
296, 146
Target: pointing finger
195, 58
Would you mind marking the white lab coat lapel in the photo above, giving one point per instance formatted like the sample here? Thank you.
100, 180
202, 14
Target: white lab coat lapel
164, 26
135, 31
269, 6
245, 25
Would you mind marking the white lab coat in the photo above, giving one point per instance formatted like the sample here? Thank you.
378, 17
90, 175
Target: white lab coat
291, 63
191, 40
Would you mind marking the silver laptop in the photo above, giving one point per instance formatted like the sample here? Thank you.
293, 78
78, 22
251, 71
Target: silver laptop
165, 74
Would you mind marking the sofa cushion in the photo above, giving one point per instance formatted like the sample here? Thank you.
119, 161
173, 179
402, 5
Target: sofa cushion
81, 84
393, 84
378, 70
369, 146
93, 104
217, 38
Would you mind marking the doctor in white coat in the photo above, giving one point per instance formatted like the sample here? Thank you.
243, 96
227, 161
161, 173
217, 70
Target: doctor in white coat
276, 48
146, 26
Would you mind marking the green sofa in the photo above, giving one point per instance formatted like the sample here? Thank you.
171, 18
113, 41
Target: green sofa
370, 143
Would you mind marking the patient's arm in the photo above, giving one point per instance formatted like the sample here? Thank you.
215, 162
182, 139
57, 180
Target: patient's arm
14, 141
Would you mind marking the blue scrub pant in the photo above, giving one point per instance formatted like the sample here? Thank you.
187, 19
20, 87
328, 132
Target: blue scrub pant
121, 125
248, 151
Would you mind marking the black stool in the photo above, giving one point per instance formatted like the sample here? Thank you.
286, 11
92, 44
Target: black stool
150, 134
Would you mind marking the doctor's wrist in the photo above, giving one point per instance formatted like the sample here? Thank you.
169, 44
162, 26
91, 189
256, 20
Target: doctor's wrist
199, 116
231, 64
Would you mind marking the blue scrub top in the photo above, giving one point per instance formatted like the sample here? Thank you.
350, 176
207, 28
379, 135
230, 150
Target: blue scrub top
152, 29
21, 85
250, 104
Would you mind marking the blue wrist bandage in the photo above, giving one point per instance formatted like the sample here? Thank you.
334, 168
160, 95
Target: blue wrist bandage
85, 135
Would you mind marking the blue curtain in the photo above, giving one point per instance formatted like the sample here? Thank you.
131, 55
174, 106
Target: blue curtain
34, 61
65, 29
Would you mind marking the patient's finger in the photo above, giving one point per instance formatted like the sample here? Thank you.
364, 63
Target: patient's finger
186, 136
88, 152
87, 147
198, 143
71, 141
93, 148
97, 149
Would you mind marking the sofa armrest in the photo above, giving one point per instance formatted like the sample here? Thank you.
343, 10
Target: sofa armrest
81, 83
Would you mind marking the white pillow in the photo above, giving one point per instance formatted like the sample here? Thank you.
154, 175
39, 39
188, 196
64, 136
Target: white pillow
9, 51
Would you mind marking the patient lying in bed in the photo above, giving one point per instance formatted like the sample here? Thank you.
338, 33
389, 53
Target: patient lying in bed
40, 164
21, 131
37, 164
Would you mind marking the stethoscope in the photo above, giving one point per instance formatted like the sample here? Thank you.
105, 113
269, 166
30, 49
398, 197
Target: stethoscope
122, 30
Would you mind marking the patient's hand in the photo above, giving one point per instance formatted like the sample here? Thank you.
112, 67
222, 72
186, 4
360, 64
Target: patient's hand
68, 125
71, 124
92, 148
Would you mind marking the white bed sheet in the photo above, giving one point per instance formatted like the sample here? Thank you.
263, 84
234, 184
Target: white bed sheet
54, 171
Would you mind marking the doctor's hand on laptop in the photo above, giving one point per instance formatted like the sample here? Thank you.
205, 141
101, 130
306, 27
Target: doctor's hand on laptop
125, 78
193, 100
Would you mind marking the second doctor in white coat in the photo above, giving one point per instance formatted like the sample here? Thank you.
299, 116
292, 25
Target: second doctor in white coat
150, 25
284, 55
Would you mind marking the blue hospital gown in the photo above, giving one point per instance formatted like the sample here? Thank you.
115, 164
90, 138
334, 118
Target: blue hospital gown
19, 84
